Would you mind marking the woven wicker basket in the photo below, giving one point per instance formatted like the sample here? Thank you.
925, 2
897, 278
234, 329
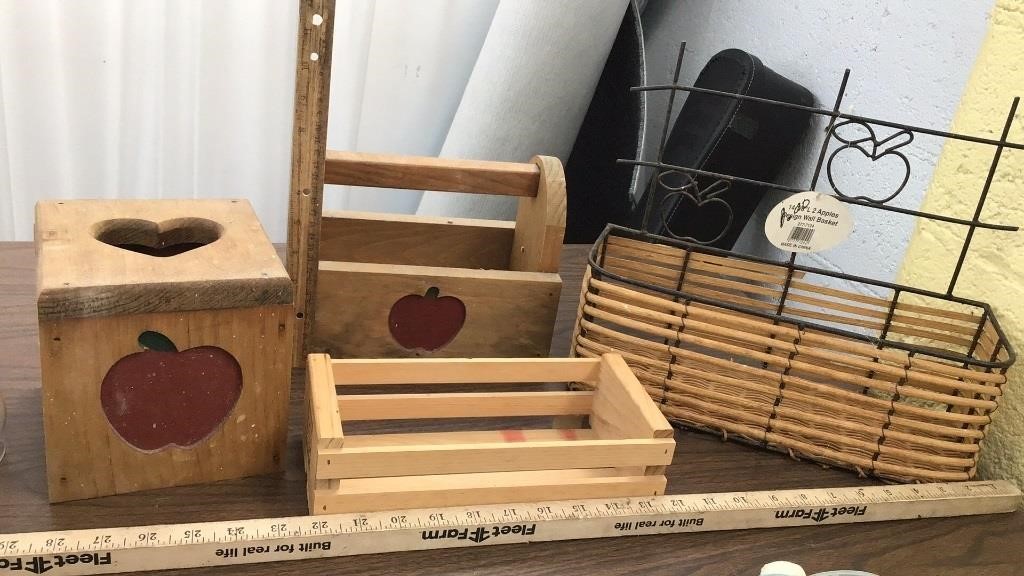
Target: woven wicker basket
899, 387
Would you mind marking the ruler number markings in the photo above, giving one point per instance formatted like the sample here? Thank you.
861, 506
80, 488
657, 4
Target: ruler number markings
314, 536
145, 538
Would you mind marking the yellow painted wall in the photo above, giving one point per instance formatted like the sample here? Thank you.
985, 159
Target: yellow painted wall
994, 270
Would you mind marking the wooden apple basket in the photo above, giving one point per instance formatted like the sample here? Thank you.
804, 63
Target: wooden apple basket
350, 269
392, 286
621, 453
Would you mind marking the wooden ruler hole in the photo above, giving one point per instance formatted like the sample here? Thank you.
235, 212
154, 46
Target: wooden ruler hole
317, 19
314, 56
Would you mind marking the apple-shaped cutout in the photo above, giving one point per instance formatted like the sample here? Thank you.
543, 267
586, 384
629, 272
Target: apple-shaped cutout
698, 205
161, 397
426, 322
860, 137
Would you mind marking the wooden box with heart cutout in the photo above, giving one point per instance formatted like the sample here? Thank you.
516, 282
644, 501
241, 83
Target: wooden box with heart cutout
391, 286
165, 335
488, 446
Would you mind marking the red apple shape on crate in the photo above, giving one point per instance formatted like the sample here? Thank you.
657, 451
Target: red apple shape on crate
161, 397
426, 322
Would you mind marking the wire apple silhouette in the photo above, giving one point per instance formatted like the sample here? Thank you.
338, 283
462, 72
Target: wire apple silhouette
426, 322
161, 397
862, 138
700, 199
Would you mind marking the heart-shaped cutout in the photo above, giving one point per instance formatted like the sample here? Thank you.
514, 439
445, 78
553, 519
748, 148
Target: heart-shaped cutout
163, 239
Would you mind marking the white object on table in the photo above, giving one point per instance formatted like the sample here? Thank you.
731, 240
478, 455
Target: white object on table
783, 568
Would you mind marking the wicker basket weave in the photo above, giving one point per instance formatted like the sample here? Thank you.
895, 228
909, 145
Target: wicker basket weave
899, 387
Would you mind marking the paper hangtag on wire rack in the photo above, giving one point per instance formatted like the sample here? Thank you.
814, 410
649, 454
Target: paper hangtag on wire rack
808, 222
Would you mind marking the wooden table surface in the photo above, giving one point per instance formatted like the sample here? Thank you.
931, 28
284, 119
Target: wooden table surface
974, 546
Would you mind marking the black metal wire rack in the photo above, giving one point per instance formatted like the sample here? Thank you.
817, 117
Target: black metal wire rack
704, 186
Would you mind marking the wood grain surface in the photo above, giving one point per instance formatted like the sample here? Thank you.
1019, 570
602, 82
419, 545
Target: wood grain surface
309, 145
235, 265
507, 314
419, 240
86, 457
427, 173
540, 221
974, 546
510, 312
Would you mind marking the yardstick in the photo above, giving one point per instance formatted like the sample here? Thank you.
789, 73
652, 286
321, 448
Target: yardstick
113, 550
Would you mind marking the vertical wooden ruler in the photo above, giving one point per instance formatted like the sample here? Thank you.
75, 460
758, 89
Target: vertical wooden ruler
114, 550
309, 149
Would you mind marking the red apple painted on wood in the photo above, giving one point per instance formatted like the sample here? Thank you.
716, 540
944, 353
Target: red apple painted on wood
426, 322
161, 397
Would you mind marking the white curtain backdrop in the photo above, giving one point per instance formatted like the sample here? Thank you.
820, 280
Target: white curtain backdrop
144, 99
185, 98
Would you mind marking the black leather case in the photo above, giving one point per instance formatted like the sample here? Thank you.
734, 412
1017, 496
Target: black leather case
727, 136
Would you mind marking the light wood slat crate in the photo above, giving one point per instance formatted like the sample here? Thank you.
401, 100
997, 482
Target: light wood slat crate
899, 387
622, 452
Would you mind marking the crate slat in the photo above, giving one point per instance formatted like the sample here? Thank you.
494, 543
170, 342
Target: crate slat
418, 459
326, 428
463, 405
469, 437
360, 372
404, 492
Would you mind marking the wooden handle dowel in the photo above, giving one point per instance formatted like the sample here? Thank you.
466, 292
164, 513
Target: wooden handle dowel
427, 173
